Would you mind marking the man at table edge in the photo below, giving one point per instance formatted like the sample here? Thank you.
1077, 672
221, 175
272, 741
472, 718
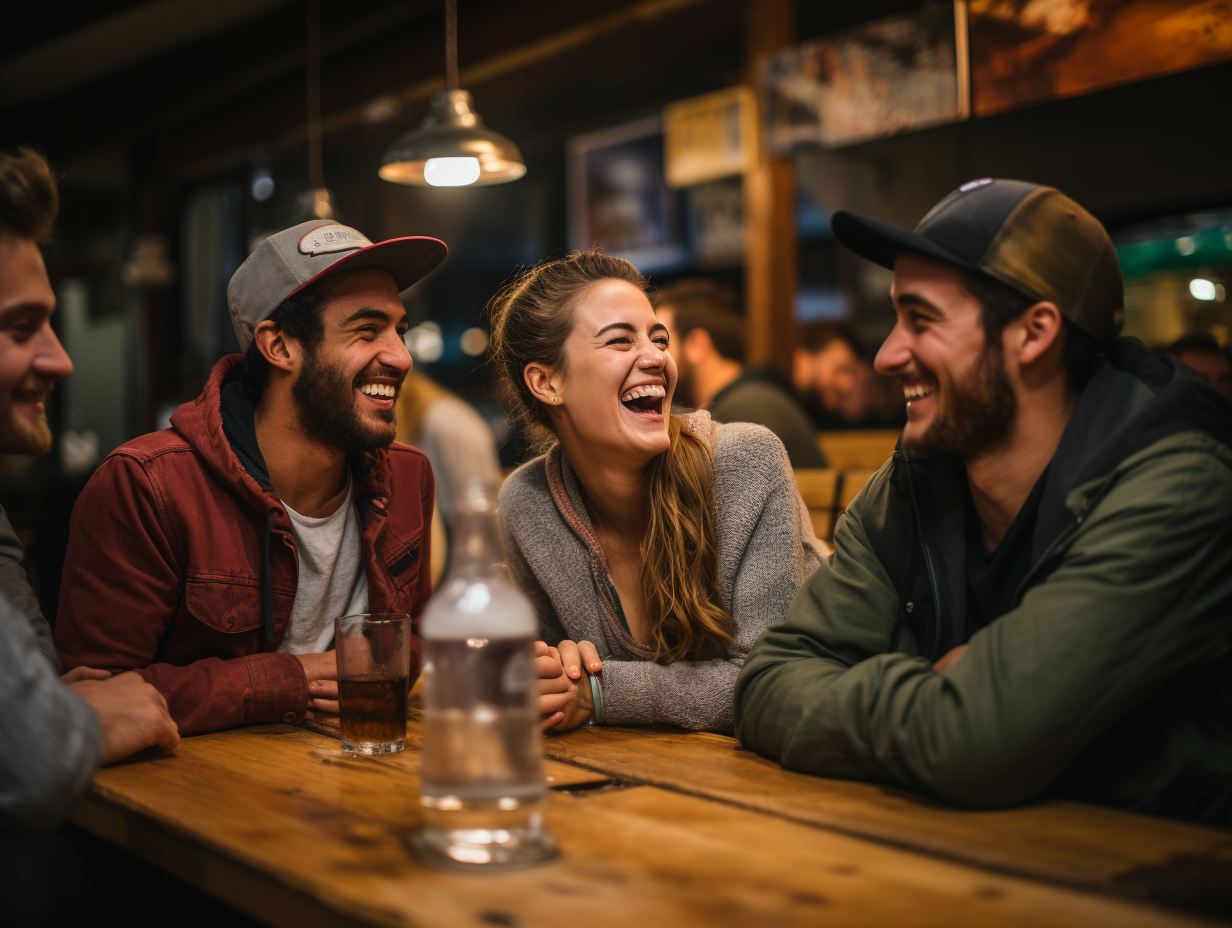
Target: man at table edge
214, 556
1032, 597
54, 733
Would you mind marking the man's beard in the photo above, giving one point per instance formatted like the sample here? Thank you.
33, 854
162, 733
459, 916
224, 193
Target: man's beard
977, 411
21, 436
325, 406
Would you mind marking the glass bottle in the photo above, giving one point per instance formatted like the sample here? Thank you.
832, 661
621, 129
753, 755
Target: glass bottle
482, 788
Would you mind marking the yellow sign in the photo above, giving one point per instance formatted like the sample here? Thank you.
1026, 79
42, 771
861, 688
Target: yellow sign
711, 136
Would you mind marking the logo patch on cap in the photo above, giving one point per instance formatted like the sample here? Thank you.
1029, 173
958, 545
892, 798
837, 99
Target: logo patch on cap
330, 238
973, 184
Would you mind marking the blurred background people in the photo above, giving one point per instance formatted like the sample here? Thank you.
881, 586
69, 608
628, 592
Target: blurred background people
834, 377
1200, 351
707, 342
459, 445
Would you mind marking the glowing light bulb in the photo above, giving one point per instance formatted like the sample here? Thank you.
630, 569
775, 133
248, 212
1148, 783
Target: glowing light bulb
474, 342
451, 172
1202, 289
262, 184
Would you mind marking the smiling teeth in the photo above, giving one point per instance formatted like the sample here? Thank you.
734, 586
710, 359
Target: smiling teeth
385, 390
650, 389
915, 391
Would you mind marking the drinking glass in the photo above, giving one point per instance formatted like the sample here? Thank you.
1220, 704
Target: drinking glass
374, 658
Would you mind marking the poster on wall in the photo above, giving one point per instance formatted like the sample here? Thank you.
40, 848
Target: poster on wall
619, 200
1030, 51
710, 137
891, 75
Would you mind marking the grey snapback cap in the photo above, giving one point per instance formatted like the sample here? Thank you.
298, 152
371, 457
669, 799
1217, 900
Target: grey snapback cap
287, 262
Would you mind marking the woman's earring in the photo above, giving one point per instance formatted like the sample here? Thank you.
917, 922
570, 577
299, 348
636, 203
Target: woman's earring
556, 399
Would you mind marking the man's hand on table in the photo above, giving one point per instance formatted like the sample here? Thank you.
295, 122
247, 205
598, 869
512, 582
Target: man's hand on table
78, 674
322, 673
950, 658
131, 713
564, 697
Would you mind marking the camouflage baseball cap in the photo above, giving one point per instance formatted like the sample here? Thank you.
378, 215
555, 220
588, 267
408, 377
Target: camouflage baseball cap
287, 262
1031, 238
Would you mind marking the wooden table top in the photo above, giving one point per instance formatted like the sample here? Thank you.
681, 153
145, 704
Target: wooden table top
656, 827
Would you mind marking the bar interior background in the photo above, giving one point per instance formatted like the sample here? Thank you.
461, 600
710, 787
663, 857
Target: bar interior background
179, 128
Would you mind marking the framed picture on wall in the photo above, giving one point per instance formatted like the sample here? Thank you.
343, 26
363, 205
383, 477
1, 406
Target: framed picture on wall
1025, 51
618, 199
890, 75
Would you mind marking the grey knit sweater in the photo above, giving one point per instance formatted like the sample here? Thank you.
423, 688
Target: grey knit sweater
766, 550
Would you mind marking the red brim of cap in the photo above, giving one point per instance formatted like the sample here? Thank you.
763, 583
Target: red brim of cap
409, 259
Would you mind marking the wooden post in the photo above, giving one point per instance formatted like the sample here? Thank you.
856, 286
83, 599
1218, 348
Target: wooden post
769, 207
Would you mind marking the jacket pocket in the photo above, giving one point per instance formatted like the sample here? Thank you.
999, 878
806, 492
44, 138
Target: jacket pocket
402, 559
229, 605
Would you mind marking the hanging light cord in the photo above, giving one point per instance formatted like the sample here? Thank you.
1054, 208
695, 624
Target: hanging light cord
316, 175
451, 44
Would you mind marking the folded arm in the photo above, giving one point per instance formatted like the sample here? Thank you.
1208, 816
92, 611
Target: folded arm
1139, 601
769, 570
50, 740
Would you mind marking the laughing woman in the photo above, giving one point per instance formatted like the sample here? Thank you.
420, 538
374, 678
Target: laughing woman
656, 547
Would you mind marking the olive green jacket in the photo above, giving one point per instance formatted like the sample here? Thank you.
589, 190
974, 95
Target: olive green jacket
1111, 679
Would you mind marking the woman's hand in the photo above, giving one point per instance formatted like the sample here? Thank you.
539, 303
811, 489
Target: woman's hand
575, 655
556, 690
580, 707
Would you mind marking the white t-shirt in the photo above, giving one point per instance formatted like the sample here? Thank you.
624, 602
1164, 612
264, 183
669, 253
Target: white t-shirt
331, 577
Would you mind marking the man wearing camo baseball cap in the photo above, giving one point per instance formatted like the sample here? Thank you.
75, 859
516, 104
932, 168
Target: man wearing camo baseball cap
214, 556
1033, 593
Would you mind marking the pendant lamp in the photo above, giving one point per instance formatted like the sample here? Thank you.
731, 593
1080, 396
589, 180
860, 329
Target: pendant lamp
451, 147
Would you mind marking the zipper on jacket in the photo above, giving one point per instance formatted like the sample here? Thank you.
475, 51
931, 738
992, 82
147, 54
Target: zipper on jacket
1058, 543
928, 561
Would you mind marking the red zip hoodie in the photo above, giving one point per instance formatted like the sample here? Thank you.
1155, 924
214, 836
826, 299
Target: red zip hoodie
181, 566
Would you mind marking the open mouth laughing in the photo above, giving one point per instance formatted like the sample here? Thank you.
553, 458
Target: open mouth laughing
918, 389
382, 392
645, 401
31, 399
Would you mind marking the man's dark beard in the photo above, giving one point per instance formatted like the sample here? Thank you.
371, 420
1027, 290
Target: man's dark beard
977, 412
325, 406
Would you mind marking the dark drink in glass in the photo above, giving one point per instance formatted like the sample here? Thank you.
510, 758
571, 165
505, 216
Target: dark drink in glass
373, 709
374, 656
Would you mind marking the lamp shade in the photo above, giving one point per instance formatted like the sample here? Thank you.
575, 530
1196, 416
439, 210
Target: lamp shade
451, 135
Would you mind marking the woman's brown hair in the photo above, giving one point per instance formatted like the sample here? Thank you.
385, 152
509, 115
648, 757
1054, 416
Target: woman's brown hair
531, 318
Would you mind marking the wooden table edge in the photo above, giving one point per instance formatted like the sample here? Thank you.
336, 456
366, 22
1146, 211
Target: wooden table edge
249, 887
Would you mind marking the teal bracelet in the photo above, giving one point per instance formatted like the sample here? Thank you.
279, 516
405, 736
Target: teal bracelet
596, 695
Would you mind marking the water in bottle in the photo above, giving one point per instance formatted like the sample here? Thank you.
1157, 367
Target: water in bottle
482, 781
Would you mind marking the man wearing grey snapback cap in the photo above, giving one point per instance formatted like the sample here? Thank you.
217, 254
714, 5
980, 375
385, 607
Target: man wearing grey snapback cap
1032, 596
213, 557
